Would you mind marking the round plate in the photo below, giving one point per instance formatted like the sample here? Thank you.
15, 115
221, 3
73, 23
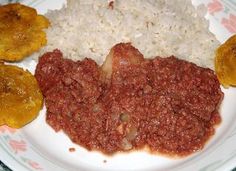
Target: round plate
38, 147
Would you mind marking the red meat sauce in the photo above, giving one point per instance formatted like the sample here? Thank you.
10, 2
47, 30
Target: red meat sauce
129, 103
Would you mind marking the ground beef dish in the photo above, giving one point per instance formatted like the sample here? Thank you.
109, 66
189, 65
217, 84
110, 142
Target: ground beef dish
166, 104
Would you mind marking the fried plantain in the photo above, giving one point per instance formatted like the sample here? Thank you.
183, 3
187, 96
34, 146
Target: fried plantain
225, 62
20, 96
21, 31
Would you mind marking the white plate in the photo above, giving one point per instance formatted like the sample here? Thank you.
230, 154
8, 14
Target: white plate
38, 147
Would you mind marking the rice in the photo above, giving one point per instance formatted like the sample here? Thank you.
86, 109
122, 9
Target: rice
89, 28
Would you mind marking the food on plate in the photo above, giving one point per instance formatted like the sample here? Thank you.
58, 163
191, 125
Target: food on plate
157, 28
72, 149
225, 62
167, 105
21, 31
20, 96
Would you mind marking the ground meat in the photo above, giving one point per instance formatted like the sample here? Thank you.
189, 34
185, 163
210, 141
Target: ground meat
111, 5
166, 104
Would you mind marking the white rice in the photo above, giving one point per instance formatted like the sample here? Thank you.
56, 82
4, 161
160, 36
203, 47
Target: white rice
88, 28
